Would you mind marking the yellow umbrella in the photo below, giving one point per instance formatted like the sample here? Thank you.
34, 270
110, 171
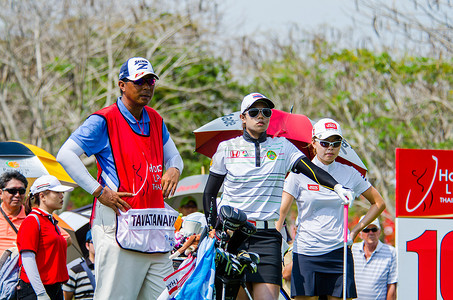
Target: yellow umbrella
31, 161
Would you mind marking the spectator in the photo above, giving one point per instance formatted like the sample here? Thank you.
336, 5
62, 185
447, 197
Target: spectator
188, 205
12, 193
318, 246
374, 265
132, 147
253, 181
81, 283
41, 245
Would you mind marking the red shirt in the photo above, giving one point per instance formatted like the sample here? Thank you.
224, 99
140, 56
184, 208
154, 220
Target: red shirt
138, 158
46, 241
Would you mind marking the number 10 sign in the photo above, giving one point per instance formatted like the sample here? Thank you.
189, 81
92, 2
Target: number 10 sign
424, 223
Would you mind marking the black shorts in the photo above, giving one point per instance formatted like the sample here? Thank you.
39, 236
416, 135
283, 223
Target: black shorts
322, 275
267, 243
25, 291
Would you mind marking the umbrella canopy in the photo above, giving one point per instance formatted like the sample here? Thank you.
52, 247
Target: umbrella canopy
295, 127
31, 161
189, 186
284, 124
77, 224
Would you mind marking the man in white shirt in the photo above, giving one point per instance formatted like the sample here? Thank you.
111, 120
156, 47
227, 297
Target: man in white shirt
374, 265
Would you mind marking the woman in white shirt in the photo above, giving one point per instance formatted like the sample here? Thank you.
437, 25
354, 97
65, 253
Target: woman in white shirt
318, 246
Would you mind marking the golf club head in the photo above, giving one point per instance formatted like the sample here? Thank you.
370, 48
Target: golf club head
244, 257
240, 236
231, 218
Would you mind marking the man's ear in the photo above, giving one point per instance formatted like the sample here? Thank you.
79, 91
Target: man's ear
122, 85
242, 116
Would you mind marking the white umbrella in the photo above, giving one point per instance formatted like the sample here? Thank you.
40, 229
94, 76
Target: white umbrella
295, 127
189, 186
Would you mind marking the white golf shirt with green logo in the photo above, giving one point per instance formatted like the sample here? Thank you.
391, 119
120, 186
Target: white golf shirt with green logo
254, 186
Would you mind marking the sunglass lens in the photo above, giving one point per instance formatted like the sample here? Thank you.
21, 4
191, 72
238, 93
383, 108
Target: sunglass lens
267, 112
328, 144
15, 191
253, 112
151, 81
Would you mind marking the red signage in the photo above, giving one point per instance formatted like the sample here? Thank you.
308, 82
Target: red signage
424, 183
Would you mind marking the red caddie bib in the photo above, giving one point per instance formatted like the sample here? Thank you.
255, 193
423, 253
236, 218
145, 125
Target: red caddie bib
149, 225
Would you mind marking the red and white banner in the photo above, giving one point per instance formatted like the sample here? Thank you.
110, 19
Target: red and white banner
424, 223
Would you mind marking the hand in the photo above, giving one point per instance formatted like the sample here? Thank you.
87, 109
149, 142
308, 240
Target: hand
113, 200
346, 195
351, 238
43, 296
169, 182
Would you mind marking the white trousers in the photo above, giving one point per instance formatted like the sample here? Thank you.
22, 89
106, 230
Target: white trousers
124, 274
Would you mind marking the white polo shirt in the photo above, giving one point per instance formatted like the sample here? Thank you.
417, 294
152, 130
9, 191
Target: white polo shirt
320, 210
257, 190
373, 275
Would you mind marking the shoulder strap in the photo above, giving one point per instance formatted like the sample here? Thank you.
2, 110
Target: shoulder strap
9, 221
37, 220
89, 274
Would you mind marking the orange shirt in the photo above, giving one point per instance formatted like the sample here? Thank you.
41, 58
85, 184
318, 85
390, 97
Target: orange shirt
7, 234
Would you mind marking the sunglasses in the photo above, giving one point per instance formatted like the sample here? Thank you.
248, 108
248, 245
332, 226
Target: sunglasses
327, 144
374, 229
149, 80
266, 112
14, 191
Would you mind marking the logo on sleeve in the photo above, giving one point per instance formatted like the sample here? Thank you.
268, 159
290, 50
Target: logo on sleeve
313, 187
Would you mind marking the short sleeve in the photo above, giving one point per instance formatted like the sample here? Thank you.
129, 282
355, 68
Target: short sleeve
28, 235
393, 276
165, 133
92, 135
218, 160
361, 184
291, 185
293, 154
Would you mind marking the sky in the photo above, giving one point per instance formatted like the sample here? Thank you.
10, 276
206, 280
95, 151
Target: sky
261, 15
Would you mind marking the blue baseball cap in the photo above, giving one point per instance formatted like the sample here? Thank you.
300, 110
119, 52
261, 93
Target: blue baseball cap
88, 236
135, 68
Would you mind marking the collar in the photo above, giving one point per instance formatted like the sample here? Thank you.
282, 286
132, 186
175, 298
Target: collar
262, 138
45, 214
90, 264
20, 215
127, 114
378, 247
328, 168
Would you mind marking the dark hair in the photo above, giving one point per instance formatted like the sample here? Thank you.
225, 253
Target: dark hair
32, 200
9, 175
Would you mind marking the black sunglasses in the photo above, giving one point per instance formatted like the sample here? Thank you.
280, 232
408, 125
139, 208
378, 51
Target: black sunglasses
374, 229
149, 80
14, 191
327, 144
266, 112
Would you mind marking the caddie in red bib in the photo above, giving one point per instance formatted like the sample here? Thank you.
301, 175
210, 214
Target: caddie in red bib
148, 226
138, 167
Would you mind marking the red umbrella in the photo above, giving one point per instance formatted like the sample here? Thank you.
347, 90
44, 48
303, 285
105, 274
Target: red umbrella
295, 127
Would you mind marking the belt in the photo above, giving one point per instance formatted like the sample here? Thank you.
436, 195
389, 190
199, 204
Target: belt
263, 224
